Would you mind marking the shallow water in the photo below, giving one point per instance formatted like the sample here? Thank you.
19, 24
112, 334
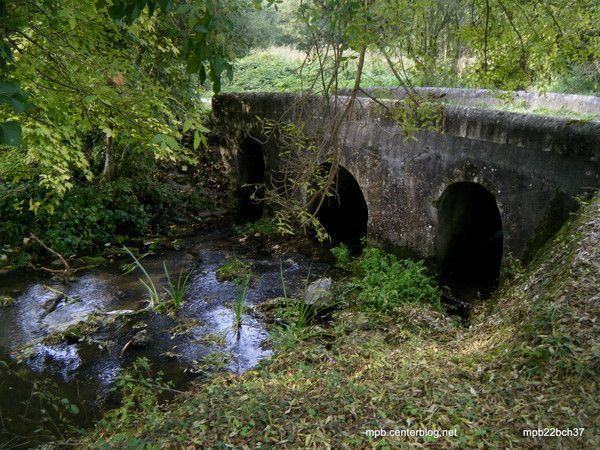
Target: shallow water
84, 368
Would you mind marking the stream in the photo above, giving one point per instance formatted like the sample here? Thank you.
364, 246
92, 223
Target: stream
73, 339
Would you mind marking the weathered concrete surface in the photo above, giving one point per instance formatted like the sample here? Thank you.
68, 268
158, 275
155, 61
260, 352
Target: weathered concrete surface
533, 165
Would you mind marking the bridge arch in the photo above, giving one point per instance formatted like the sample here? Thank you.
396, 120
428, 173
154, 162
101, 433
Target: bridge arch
251, 176
345, 214
469, 240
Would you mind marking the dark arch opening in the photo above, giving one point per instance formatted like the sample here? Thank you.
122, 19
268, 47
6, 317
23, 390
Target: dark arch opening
469, 241
251, 175
345, 214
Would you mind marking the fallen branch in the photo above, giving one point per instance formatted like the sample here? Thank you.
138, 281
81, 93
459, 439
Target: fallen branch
67, 268
69, 298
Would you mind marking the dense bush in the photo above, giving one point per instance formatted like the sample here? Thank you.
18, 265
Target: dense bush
90, 216
385, 282
341, 253
581, 79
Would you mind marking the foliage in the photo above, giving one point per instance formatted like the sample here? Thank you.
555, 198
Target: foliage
87, 217
90, 216
140, 391
104, 95
490, 44
341, 253
385, 282
207, 30
202, 34
175, 289
272, 26
413, 115
285, 69
154, 299
263, 227
234, 269
307, 179
239, 306
583, 78
37, 410
294, 316
87, 83
213, 361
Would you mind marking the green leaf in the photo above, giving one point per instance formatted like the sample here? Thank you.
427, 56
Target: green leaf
196, 140
10, 133
157, 139
164, 140
171, 142
187, 125
11, 93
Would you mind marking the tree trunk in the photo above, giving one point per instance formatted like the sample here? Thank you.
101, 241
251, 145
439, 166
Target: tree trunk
109, 160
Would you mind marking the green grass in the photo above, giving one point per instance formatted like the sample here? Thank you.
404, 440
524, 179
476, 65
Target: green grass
234, 270
277, 69
153, 295
176, 289
293, 316
263, 227
239, 306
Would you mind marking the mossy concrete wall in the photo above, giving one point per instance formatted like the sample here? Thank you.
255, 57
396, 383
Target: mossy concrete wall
533, 165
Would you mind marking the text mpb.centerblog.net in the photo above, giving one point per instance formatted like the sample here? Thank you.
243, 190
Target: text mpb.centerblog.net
411, 432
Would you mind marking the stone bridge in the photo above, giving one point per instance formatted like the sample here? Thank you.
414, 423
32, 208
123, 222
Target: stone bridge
484, 186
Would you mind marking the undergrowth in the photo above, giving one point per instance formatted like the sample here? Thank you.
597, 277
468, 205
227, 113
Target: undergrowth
261, 227
89, 217
385, 282
234, 269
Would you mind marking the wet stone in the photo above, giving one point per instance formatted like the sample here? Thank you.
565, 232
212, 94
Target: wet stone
140, 339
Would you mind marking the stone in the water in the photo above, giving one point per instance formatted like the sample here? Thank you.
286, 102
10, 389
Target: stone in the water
140, 339
319, 292
51, 304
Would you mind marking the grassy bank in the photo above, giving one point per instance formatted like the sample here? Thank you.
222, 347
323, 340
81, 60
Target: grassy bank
528, 360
